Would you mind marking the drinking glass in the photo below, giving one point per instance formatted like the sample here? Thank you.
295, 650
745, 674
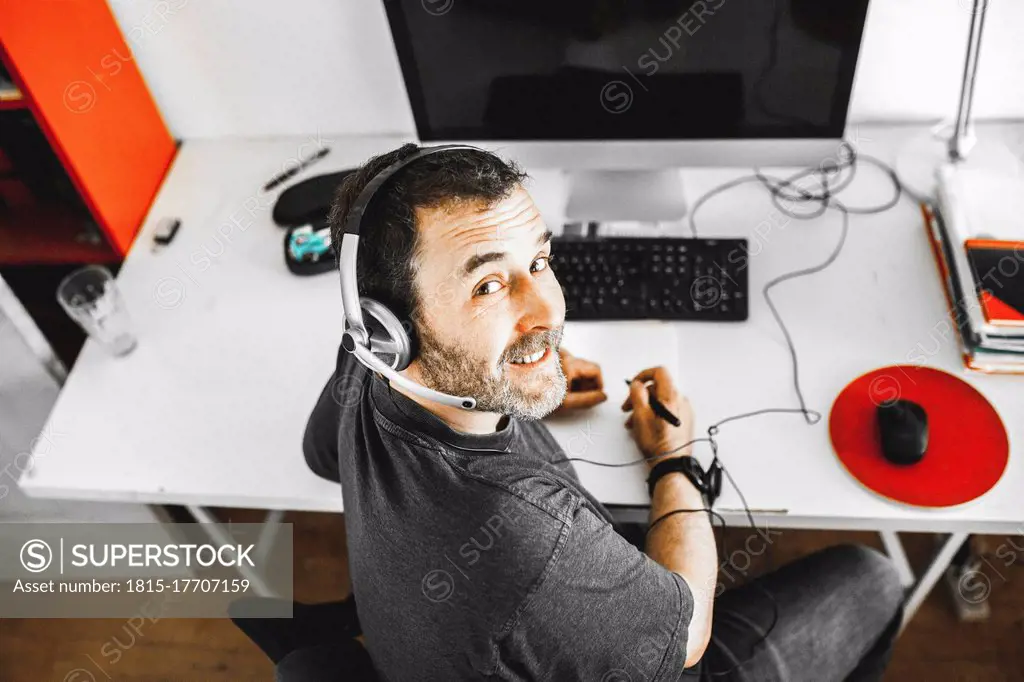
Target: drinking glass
91, 297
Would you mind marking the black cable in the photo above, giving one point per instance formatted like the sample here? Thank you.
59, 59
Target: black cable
711, 514
725, 551
746, 507
790, 345
750, 517
635, 461
785, 194
767, 410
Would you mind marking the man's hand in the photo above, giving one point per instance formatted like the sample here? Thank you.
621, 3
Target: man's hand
583, 377
652, 434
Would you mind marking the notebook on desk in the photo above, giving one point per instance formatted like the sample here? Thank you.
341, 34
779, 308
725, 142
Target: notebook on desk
998, 269
622, 349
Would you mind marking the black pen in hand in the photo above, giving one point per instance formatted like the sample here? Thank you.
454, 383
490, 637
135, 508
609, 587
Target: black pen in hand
659, 409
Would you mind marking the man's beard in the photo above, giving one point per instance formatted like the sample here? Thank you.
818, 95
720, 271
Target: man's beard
456, 370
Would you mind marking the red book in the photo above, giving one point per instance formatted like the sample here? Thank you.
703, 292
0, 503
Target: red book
998, 269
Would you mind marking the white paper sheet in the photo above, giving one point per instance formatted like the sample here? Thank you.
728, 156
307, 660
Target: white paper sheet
622, 349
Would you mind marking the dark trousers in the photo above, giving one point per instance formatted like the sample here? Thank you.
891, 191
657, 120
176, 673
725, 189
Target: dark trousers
837, 613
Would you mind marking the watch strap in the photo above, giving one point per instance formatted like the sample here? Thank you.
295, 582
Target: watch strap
685, 465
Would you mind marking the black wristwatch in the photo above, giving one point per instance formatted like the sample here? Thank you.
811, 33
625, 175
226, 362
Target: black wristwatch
686, 465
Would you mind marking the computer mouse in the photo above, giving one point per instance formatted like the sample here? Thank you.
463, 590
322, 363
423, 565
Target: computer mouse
903, 429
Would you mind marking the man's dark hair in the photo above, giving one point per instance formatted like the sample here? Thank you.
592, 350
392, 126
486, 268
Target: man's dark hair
388, 236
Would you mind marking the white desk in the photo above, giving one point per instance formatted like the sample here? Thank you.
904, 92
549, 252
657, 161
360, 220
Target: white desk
210, 408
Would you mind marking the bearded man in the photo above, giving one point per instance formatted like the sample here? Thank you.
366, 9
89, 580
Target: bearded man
473, 552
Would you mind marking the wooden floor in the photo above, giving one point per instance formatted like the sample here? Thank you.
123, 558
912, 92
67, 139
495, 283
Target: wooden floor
935, 647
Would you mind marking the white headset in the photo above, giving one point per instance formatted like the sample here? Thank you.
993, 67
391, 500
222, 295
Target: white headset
384, 336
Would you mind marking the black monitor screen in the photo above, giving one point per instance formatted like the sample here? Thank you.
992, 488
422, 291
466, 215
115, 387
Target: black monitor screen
627, 69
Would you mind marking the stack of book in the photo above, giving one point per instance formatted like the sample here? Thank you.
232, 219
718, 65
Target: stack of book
977, 232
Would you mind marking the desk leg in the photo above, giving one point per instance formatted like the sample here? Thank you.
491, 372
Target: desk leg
25, 326
265, 542
935, 570
894, 548
219, 535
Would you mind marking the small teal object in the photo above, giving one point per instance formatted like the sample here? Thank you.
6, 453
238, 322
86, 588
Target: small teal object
307, 244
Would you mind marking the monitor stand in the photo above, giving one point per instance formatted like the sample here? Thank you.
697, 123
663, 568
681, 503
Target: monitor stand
640, 195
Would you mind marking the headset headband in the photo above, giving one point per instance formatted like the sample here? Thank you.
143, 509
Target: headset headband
347, 254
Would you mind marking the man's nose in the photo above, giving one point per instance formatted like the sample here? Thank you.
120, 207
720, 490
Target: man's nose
541, 306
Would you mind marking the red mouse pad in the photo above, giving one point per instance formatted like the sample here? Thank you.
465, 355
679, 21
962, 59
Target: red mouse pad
967, 444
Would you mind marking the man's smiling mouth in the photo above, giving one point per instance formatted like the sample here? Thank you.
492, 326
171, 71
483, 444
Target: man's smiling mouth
531, 359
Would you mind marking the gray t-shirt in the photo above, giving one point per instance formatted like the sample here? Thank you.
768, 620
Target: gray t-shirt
475, 557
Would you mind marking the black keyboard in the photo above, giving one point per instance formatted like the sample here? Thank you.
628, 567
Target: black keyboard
633, 278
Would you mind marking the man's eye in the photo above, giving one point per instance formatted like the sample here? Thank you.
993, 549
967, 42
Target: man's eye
540, 264
490, 287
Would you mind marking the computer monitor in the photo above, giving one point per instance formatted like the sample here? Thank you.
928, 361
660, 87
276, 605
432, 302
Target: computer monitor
618, 91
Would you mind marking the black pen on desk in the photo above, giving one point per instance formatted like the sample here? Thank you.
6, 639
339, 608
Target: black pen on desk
282, 177
660, 409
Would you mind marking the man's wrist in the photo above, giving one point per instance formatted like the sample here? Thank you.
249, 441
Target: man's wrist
675, 492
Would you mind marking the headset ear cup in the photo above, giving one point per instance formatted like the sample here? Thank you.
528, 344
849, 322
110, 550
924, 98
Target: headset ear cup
389, 339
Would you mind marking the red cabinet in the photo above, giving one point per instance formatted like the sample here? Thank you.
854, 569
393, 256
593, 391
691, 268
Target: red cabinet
84, 149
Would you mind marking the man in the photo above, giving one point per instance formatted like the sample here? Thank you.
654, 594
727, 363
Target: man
473, 554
